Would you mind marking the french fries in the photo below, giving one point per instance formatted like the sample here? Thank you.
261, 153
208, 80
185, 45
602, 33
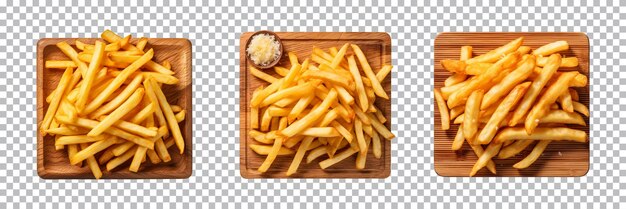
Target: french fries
98, 110
520, 85
322, 107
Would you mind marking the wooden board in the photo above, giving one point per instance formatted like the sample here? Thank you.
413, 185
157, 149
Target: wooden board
377, 48
559, 159
52, 164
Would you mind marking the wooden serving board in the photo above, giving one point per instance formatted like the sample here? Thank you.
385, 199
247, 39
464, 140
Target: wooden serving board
52, 164
559, 159
377, 48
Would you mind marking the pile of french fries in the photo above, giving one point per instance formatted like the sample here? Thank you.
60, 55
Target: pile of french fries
109, 104
511, 97
324, 109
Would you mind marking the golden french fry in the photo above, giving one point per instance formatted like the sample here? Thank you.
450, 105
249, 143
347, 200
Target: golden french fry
509, 82
180, 116
472, 111
93, 164
489, 131
73, 55
271, 156
523, 50
574, 94
454, 79
376, 146
477, 68
538, 83
87, 123
485, 158
494, 55
310, 118
466, 53
60, 64
382, 73
140, 155
117, 82
299, 107
314, 154
295, 163
380, 128
565, 100
551, 48
454, 66
92, 149
72, 149
261, 75
581, 108
294, 91
378, 89
362, 155
541, 133
533, 156
79, 139
550, 96
265, 150
281, 71
112, 164
117, 101
458, 139
337, 158
56, 100
117, 114
141, 44
443, 110
339, 57
514, 149
358, 82
565, 62
169, 116
459, 97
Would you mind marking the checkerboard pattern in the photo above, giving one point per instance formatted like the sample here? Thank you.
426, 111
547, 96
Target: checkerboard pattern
214, 28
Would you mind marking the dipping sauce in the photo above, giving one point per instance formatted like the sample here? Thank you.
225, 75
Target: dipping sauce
263, 49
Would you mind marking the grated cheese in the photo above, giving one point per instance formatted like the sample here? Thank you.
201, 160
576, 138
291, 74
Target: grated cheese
263, 49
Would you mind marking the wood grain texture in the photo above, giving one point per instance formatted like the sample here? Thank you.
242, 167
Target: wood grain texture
376, 46
52, 164
559, 159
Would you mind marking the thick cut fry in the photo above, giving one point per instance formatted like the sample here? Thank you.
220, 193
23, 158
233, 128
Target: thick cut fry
133, 128
533, 156
376, 146
454, 66
143, 114
169, 116
56, 100
152, 98
472, 113
326, 76
66, 131
477, 68
93, 164
489, 131
141, 44
478, 150
271, 156
73, 55
114, 46
293, 58
281, 71
549, 97
161, 150
382, 73
339, 57
86, 57
265, 93
358, 128
342, 130
140, 154
116, 115
551, 48
565, 62
509, 82
523, 50
550, 133
294, 91
117, 82
265, 150
443, 110
72, 149
299, 107
310, 118
565, 100
496, 54
266, 118
455, 112
459, 97
535, 88
60, 64
320, 132
514, 149
354, 70
117, 101
574, 94
454, 79
378, 89
261, 75
485, 158
466, 53
581, 108
458, 139
92, 149
362, 155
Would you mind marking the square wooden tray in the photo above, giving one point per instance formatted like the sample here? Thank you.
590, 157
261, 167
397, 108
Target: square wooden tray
559, 159
377, 47
52, 164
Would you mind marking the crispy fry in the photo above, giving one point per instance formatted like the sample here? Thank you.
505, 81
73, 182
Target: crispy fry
523, 50
92, 149
261, 75
535, 88
466, 53
489, 131
265, 150
294, 91
59, 64
472, 110
123, 96
477, 68
514, 149
337, 158
454, 79
581, 108
549, 97
565, 62
443, 110
454, 66
271, 156
493, 55
378, 89
533, 156
551, 48
309, 119
109, 120
169, 116
509, 82
56, 100
565, 100
87, 123
551, 133
382, 73
485, 158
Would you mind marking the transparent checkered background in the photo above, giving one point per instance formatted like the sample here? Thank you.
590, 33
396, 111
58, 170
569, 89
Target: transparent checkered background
214, 29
